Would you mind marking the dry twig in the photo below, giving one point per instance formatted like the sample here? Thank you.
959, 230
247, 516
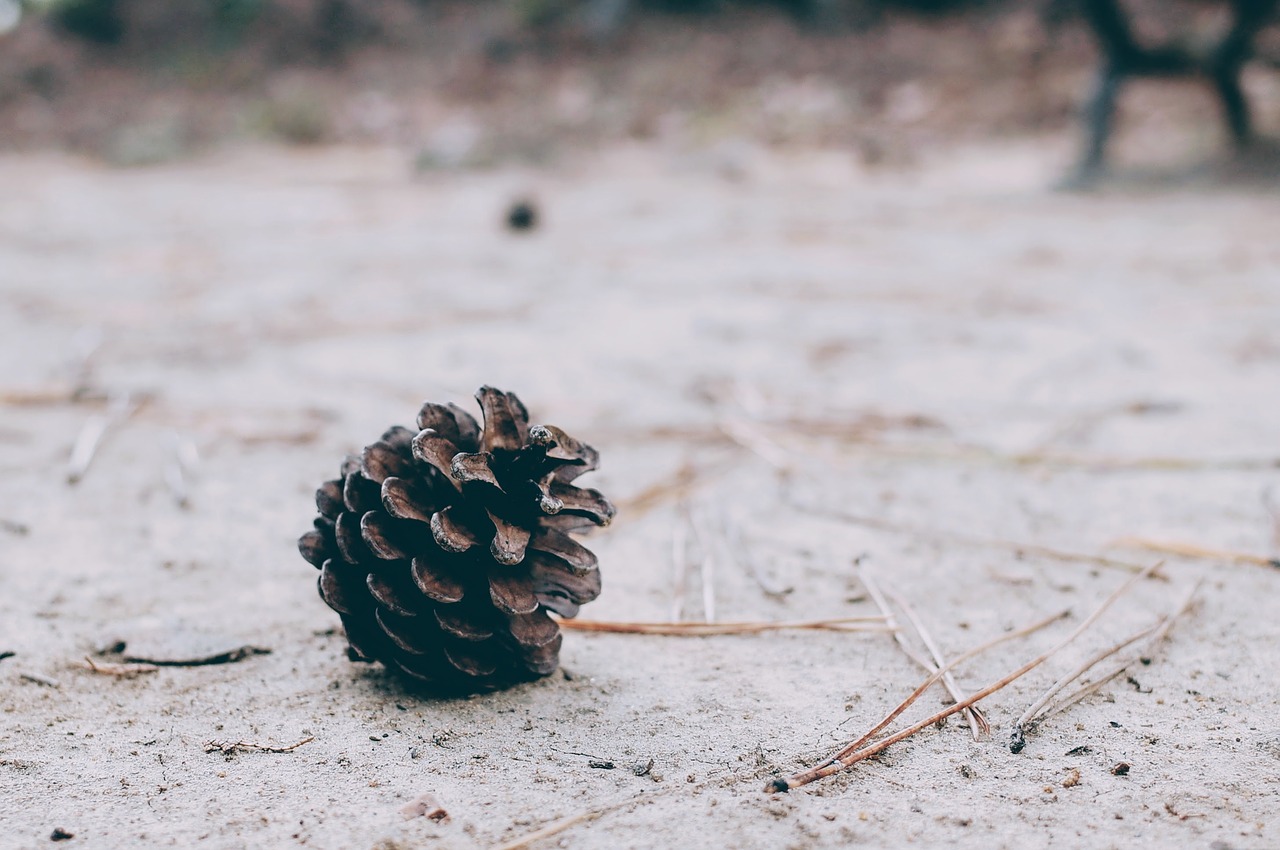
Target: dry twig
229, 747
231, 656
123, 671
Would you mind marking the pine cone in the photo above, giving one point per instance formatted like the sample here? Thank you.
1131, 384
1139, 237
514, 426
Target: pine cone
443, 551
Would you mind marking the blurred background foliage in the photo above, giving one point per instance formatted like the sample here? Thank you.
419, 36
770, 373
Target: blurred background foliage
464, 83
330, 24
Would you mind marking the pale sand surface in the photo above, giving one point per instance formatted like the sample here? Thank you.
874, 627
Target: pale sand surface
946, 322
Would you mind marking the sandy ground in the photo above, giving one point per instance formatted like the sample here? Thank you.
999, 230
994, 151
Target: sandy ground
969, 357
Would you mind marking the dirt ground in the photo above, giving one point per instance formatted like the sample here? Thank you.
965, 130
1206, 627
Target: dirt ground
932, 370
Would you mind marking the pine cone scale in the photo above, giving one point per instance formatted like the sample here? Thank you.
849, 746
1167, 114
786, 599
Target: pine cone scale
332, 591
435, 583
396, 600
401, 499
472, 664
509, 541
381, 461
512, 593
456, 622
563, 548
533, 629
359, 494
314, 547
377, 533
329, 499
505, 420
431, 448
451, 535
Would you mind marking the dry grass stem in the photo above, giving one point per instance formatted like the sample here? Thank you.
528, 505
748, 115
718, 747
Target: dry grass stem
1192, 550
37, 679
977, 723
229, 747
123, 671
850, 755
837, 624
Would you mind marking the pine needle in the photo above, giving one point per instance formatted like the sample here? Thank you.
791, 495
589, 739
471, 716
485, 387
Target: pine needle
1014, 546
977, 723
1192, 550
1155, 635
851, 754
837, 624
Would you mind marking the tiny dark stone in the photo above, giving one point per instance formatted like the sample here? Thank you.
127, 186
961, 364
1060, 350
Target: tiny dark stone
4, 655
600, 764
1017, 741
642, 769
18, 528
1115, 725
60, 834
1079, 751
1121, 769
522, 215
778, 786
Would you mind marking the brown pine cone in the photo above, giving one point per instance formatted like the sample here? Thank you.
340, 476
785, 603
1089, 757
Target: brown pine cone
444, 550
